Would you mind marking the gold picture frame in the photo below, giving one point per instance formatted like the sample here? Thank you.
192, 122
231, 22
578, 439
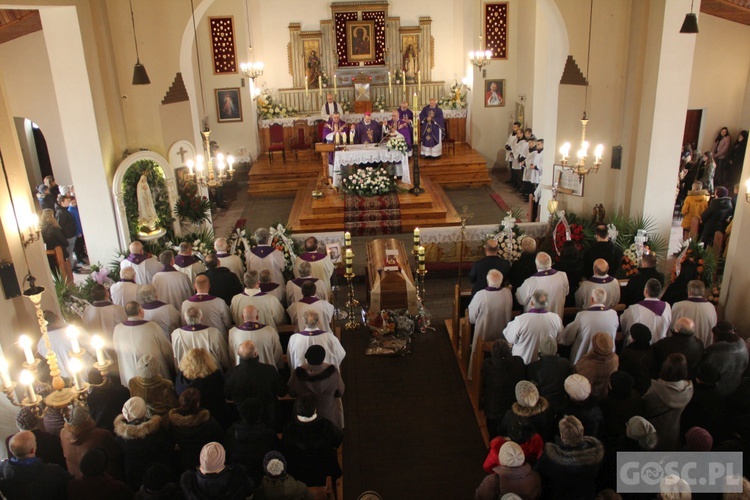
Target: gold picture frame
360, 41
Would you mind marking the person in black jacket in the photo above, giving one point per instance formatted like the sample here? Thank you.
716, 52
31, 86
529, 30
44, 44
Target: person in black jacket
603, 248
46, 199
52, 235
223, 282
215, 479
714, 218
737, 157
105, 400
478, 273
682, 340
26, 476
68, 225
572, 265
621, 403
191, 427
248, 440
500, 374
523, 268
633, 292
707, 408
549, 373
636, 357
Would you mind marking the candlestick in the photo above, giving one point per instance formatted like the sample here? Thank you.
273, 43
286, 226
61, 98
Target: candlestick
415, 102
419, 83
5, 373
390, 90
27, 379
25, 342
403, 83
348, 239
72, 333
417, 239
75, 367
335, 86
320, 86
98, 344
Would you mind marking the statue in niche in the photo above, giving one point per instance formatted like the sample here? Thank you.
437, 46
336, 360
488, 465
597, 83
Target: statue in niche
313, 71
410, 63
146, 210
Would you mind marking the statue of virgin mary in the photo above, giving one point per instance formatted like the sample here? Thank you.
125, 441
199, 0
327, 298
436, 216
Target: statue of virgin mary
146, 209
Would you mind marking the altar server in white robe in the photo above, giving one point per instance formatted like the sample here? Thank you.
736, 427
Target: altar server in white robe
196, 334
215, 310
697, 308
102, 316
309, 302
321, 265
269, 287
314, 333
137, 337
264, 256
145, 266
125, 290
652, 312
600, 279
230, 261
553, 282
188, 263
270, 310
525, 331
57, 331
163, 314
172, 286
511, 143
596, 318
266, 339
294, 287
489, 312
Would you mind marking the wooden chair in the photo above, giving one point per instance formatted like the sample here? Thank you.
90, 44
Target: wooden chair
55, 257
449, 143
319, 126
299, 141
277, 142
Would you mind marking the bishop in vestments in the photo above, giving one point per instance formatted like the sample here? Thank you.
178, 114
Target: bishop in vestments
367, 131
433, 128
398, 125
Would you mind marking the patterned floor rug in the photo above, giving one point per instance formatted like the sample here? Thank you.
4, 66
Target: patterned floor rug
372, 215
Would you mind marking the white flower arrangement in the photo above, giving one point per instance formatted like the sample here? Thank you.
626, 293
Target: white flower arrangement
509, 241
368, 181
450, 101
398, 143
346, 106
268, 108
379, 103
281, 239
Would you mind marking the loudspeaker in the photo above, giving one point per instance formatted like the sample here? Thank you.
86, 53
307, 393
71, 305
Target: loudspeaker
9, 280
616, 157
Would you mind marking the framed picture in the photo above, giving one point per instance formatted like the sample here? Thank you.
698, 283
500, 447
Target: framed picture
360, 38
334, 251
228, 105
410, 48
567, 182
494, 93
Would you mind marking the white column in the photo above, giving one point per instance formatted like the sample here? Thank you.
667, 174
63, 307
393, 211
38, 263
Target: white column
62, 35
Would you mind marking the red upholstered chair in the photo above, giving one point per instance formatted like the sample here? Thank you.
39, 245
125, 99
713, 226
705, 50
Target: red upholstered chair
277, 142
320, 125
299, 141
449, 143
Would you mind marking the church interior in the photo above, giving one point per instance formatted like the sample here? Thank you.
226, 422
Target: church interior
220, 109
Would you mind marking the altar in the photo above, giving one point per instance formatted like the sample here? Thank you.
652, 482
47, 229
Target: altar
359, 154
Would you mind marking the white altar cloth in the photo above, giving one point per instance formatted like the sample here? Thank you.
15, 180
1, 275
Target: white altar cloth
357, 154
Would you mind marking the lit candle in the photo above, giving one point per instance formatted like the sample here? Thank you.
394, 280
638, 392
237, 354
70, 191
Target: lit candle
230, 160
403, 85
72, 333
27, 379
98, 344
348, 239
335, 87
565, 151
415, 102
598, 152
5, 373
75, 367
305, 85
421, 251
390, 90
419, 82
320, 86
190, 166
349, 260
421, 258
25, 342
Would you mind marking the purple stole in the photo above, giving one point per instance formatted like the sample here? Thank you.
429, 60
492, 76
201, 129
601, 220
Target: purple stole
194, 328
250, 326
262, 251
655, 306
537, 311
367, 133
185, 260
201, 298
547, 272
268, 287
312, 256
168, 269
102, 303
153, 305
134, 322
696, 299
309, 300
598, 308
492, 289
335, 107
311, 333
601, 281
437, 119
300, 281
328, 129
137, 258
222, 255
259, 294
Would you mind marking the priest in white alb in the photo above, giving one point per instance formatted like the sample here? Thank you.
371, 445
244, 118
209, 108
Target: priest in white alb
267, 286
526, 331
230, 261
125, 290
102, 316
321, 265
195, 334
596, 318
270, 310
215, 310
145, 266
489, 312
652, 312
294, 287
265, 256
314, 333
600, 279
309, 302
163, 314
553, 282
172, 286
700, 310
188, 263
266, 339
137, 337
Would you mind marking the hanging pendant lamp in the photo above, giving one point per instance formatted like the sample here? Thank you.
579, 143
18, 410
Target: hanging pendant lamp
140, 77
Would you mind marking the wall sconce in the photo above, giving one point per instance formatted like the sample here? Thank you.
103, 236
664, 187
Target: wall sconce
32, 232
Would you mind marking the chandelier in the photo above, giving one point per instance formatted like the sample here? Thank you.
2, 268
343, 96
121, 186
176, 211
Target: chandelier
202, 171
480, 58
252, 70
60, 396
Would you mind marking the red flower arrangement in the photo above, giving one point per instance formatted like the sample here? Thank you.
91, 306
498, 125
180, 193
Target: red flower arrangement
576, 236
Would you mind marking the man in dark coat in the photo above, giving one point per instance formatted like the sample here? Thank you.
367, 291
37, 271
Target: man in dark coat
715, 216
222, 281
621, 403
636, 357
253, 379
105, 399
523, 268
478, 273
500, 374
633, 292
683, 341
95, 482
603, 248
706, 409
729, 355
25, 476
49, 449
549, 372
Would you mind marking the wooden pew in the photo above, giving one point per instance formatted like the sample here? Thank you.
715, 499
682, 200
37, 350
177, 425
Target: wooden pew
482, 348
63, 264
465, 332
327, 492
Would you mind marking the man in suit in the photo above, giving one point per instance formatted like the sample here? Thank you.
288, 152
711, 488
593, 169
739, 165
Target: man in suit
633, 293
605, 249
222, 281
478, 273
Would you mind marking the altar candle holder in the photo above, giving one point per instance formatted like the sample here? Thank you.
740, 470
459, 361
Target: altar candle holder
351, 303
421, 271
338, 314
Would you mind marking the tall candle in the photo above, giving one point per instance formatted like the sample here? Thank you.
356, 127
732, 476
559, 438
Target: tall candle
335, 86
416, 132
349, 260
421, 258
25, 342
403, 84
5, 373
348, 239
417, 238
390, 89
98, 344
419, 82
75, 368
320, 86
305, 85
415, 103
27, 379
72, 333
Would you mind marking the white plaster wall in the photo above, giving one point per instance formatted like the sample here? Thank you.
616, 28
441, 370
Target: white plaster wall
719, 85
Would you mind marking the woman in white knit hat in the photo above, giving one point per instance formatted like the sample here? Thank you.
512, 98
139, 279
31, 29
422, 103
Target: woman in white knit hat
214, 479
513, 475
582, 405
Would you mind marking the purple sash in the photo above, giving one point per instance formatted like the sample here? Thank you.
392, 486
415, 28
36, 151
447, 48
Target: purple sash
492, 289
335, 108
655, 306
127, 281
222, 255
300, 281
153, 305
598, 308
137, 322
102, 303
696, 299
537, 311
193, 328
185, 260
309, 300
546, 272
250, 326
312, 256
268, 287
262, 251
601, 281
201, 298
311, 333
137, 258
168, 269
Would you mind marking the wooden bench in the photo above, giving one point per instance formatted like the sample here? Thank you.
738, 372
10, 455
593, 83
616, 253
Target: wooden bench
327, 492
63, 265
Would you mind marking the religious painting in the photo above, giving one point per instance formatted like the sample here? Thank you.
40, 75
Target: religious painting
410, 56
360, 40
313, 68
494, 93
228, 105
567, 182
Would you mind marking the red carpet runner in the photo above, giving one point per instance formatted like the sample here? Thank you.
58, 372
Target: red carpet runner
373, 215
